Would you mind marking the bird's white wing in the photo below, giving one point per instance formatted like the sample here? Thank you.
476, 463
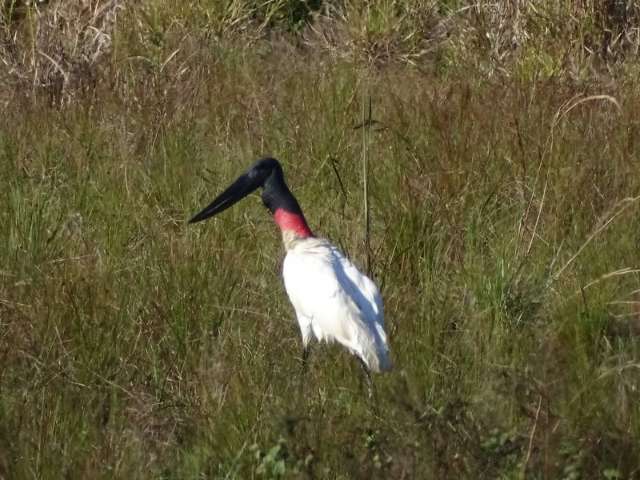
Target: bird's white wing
362, 285
338, 301
365, 293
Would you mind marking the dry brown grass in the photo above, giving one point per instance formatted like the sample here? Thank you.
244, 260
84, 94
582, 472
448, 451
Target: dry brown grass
63, 49
57, 48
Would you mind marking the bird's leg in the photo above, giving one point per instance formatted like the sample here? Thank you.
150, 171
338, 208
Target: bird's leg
306, 350
371, 397
367, 375
297, 404
304, 366
307, 335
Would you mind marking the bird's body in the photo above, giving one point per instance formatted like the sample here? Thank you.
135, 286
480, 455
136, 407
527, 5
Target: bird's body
333, 300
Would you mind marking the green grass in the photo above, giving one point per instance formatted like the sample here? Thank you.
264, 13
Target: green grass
504, 236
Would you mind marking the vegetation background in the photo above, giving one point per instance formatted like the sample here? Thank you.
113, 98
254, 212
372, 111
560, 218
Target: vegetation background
503, 186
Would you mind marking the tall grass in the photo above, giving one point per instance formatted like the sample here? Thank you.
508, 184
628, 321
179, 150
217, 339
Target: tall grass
503, 208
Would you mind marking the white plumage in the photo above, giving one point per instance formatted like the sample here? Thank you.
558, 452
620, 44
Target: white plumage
334, 301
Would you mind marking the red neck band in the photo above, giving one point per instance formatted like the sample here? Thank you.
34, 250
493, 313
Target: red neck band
292, 221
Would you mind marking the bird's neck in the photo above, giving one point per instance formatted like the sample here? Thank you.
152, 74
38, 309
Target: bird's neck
292, 224
285, 209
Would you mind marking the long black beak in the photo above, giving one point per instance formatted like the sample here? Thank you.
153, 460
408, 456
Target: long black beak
239, 189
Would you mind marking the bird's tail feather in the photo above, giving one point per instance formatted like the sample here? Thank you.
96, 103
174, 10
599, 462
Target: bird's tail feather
374, 352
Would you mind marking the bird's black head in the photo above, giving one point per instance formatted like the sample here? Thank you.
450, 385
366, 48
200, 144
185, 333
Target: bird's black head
265, 168
266, 173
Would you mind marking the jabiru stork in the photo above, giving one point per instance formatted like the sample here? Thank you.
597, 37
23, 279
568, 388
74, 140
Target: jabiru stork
332, 299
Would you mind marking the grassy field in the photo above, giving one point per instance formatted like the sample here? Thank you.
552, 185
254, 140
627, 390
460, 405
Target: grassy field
504, 194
